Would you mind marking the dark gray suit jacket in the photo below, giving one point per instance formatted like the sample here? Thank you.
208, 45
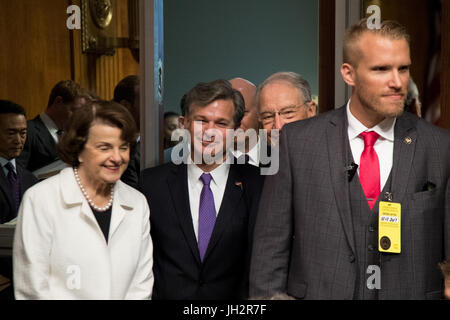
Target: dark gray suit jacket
304, 240
40, 147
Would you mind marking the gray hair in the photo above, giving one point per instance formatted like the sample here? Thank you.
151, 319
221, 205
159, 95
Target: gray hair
291, 77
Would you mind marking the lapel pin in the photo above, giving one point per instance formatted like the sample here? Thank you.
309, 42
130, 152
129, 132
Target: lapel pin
239, 184
408, 140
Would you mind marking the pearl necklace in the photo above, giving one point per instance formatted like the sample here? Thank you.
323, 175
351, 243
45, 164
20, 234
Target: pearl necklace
89, 200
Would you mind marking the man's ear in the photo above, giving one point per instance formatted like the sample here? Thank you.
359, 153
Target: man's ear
181, 122
311, 109
348, 74
58, 100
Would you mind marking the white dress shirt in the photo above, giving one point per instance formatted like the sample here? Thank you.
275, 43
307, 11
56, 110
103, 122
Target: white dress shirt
253, 154
4, 162
50, 125
195, 186
384, 146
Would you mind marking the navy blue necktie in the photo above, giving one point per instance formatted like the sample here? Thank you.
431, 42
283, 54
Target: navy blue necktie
206, 215
15, 185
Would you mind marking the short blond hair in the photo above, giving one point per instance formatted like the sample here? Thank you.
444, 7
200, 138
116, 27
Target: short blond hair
389, 28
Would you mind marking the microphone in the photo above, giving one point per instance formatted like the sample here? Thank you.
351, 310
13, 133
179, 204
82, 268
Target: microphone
351, 170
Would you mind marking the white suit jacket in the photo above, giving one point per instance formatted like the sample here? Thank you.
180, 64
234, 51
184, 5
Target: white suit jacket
60, 251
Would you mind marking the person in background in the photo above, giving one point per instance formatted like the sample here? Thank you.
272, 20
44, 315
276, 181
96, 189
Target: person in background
282, 98
412, 102
45, 129
84, 234
248, 124
14, 179
170, 125
127, 93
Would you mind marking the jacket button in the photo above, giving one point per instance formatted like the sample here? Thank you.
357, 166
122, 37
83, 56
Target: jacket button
351, 258
370, 247
371, 228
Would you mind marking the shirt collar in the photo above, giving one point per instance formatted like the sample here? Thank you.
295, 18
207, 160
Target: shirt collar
253, 153
219, 175
385, 128
3, 163
49, 123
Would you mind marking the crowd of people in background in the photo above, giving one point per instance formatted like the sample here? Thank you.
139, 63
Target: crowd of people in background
91, 223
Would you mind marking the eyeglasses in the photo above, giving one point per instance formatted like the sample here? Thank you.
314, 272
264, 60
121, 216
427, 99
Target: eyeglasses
286, 114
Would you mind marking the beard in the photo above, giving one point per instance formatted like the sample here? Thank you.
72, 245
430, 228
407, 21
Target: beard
372, 102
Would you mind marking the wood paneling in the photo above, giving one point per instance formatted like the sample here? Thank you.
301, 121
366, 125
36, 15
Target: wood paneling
35, 53
445, 75
38, 50
327, 19
101, 73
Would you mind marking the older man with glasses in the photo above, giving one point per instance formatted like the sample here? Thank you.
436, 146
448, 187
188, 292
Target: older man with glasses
282, 98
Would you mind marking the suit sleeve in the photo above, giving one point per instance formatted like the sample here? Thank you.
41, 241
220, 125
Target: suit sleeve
142, 284
31, 251
273, 231
447, 221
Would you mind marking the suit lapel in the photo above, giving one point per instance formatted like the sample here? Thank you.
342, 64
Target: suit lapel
231, 199
4, 185
178, 187
48, 142
337, 139
405, 138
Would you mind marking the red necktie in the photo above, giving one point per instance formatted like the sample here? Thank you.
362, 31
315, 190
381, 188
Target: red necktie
369, 168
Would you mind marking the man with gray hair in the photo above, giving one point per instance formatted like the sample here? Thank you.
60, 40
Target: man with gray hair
282, 98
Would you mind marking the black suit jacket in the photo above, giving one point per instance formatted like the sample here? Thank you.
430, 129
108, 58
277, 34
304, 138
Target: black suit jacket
27, 179
40, 147
178, 270
7, 212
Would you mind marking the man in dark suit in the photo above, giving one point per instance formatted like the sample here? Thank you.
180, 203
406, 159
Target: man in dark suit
126, 93
321, 231
203, 212
14, 179
45, 128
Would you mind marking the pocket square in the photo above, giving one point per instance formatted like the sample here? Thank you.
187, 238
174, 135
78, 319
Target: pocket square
428, 186
239, 184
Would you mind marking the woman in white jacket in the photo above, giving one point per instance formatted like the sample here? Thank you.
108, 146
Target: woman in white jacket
84, 234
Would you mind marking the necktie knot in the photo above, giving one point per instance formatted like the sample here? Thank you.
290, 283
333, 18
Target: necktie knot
206, 179
10, 168
369, 138
15, 186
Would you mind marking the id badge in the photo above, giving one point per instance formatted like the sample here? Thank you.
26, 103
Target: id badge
389, 227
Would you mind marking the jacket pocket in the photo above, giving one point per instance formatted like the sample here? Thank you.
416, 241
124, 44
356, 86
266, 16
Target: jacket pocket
425, 195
